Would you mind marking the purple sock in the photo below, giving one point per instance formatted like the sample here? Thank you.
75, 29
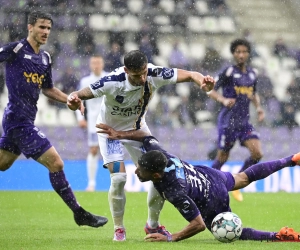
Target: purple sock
252, 234
61, 186
262, 170
249, 162
217, 164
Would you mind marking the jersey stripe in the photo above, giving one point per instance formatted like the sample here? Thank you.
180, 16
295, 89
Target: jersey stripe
146, 98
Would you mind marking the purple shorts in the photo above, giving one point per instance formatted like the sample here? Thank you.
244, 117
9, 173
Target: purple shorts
24, 138
228, 136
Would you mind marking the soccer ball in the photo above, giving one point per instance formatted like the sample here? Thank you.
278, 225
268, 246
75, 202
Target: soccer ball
227, 227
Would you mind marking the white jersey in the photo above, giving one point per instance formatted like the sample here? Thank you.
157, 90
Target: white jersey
125, 105
92, 105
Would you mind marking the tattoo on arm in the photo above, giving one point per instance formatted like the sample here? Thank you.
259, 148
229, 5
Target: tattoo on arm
85, 94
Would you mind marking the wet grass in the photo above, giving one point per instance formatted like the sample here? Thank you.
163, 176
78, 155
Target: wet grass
40, 220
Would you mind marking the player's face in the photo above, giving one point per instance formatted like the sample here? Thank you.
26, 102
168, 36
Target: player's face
137, 78
241, 54
143, 174
40, 31
96, 65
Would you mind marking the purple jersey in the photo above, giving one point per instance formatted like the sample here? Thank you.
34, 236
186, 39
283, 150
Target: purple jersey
193, 190
238, 85
26, 73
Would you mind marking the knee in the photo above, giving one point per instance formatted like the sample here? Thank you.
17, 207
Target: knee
257, 155
56, 166
118, 181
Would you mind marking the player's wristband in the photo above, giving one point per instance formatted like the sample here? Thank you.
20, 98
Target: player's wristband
169, 238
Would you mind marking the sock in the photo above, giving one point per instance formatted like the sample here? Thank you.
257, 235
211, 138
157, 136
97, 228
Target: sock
62, 187
155, 205
217, 164
92, 167
249, 162
262, 170
117, 198
252, 234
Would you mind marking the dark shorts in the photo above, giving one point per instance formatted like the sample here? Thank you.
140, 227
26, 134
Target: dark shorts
26, 139
228, 136
219, 202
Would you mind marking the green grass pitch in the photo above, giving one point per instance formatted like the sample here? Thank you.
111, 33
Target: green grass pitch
40, 220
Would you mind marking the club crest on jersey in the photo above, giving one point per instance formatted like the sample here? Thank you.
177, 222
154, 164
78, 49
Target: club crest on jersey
44, 60
167, 73
119, 98
27, 57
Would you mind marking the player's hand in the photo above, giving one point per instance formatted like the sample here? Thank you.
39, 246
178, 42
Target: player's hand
228, 102
82, 124
208, 83
105, 129
260, 114
155, 237
75, 103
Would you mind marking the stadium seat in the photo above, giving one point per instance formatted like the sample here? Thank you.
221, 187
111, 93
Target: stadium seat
201, 7
167, 6
263, 51
183, 89
114, 22
225, 52
165, 48
98, 22
106, 6
67, 118
131, 23
197, 51
130, 46
173, 102
49, 117
227, 24
195, 24
288, 63
135, 6
160, 61
211, 24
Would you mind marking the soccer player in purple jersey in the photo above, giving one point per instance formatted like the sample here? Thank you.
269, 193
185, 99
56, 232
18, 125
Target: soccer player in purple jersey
238, 84
28, 71
198, 192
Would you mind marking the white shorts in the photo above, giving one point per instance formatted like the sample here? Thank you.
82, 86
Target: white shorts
93, 140
113, 150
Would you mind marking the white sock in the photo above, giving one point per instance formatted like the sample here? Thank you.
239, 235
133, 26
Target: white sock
155, 205
117, 198
92, 167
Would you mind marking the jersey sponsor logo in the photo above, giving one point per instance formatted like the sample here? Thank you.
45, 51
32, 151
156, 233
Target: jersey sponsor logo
35, 78
167, 73
18, 47
97, 85
126, 111
244, 90
113, 147
119, 98
27, 57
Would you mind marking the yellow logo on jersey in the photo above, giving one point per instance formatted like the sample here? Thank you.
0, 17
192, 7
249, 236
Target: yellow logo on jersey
35, 78
243, 90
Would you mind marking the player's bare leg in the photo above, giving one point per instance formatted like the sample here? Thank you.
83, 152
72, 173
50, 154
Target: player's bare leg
6, 159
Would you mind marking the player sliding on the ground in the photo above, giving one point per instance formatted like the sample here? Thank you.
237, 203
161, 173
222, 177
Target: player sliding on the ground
198, 192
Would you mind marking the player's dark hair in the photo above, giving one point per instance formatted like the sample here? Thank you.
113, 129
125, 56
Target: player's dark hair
239, 42
153, 161
135, 60
35, 15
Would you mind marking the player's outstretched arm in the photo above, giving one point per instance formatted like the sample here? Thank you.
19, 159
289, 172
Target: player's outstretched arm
206, 83
134, 135
196, 226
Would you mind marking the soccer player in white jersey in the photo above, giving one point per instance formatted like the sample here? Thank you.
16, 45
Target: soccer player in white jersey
126, 94
89, 122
